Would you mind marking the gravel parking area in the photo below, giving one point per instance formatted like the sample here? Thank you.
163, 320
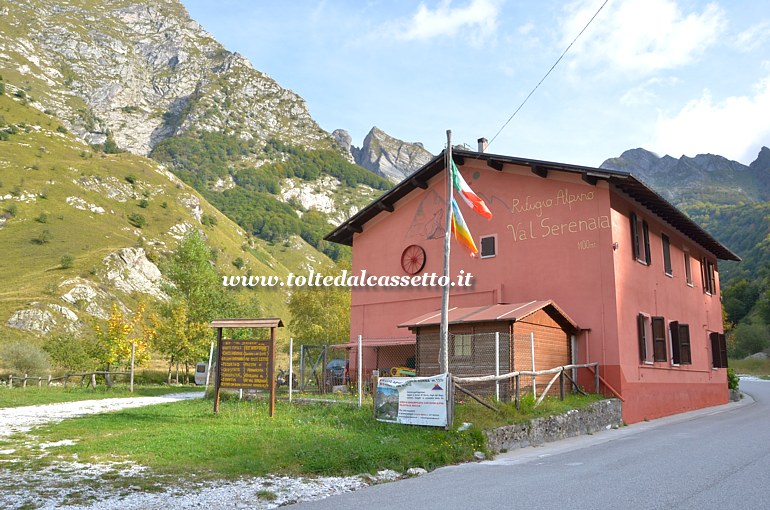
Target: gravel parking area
123, 485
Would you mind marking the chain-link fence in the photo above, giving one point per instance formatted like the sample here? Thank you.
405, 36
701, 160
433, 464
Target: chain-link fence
335, 370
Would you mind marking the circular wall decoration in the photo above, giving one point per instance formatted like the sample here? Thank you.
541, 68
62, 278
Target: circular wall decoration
413, 259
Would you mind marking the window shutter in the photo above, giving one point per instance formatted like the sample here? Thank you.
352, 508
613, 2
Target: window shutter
659, 338
722, 350
636, 252
718, 350
666, 254
715, 350
642, 339
646, 232
684, 344
676, 355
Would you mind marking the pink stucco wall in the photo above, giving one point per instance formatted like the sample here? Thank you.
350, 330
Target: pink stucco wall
555, 240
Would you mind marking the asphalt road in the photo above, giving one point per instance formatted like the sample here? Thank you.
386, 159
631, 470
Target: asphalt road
716, 458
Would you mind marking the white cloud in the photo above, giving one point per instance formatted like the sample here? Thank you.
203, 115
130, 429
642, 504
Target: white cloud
734, 128
477, 20
645, 93
642, 36
753, 37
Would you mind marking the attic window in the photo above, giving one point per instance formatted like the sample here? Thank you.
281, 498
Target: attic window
488, 246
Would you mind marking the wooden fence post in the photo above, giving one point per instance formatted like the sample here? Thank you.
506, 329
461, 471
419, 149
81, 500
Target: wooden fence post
517, 401
24, 381
596, 377
49, 379
10, 381
561, 384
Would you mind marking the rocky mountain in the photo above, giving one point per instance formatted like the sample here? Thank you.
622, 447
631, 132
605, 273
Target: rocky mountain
705, 177
87, 91
385, 155
141, 72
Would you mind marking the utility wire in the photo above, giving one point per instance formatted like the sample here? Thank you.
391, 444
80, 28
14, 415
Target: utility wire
549, 72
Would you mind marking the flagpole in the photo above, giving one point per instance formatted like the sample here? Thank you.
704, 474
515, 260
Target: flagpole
443, 360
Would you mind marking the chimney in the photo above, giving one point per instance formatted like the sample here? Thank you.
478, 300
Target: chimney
483, 142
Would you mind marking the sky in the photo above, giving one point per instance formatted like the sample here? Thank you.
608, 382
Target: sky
676, 77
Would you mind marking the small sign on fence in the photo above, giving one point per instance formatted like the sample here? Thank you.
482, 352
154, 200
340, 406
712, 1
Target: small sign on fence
414, 400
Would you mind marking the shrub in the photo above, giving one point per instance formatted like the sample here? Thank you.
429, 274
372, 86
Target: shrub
67, 261
42, 218
208, 220
69, 352
43, 238
732, 380
137, 220
12, 209
62, 129
24, 358
131, 179
144, 203
239, 263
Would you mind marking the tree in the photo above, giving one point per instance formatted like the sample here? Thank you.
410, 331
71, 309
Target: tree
320, 314
112, 341
179, 339
197, 285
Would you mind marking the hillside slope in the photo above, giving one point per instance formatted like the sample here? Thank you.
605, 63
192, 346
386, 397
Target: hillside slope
82, 228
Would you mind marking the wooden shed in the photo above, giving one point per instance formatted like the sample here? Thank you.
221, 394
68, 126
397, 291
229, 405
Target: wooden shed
520, 330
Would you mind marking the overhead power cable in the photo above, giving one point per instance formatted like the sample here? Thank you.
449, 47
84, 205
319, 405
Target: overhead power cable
549, 72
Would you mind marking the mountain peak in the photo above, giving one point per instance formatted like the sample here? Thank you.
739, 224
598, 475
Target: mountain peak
390, 157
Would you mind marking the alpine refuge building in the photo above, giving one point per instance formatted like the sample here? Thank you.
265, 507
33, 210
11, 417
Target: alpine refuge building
636, 278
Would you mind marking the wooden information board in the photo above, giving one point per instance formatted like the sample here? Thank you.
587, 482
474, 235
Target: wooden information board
245, 364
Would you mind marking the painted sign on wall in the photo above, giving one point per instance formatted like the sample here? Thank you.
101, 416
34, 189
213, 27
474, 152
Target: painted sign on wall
413, 400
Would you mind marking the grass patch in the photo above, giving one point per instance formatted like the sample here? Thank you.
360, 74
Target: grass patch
33, 395
750, 366
185, 438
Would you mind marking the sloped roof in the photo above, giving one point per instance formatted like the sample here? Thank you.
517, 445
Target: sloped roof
506, 312
623, 181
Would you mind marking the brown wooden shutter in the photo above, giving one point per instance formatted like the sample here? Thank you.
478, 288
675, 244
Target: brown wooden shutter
659, 338
666, 254
684, 344
635, 245
642, 338
722, 350
715, 351
646, 233
676, 354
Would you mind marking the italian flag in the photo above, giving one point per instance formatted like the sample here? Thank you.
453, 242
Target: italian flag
460, 229
470, 198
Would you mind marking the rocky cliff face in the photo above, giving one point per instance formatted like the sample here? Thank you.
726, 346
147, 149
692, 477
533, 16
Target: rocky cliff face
705, 177
141, 72
385, 155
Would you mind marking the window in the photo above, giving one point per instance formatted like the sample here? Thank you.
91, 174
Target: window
708, 274
659, 338
640, 245
718, 350
680, 344
667, 254
462, 345
488, 246
645, 338
687, 268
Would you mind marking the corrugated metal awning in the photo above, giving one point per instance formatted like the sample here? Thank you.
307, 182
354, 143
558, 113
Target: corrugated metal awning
505, 312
